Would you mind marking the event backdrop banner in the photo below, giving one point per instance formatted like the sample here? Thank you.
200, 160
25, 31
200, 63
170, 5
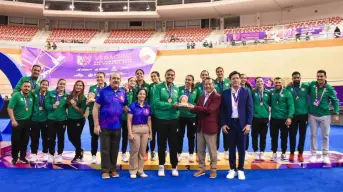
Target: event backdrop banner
74, 66
290, 33
247, 36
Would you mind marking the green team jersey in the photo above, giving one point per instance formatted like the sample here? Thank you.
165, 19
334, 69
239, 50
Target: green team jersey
327, 96
21, 105
192, 96
60, 113
40, 114
300, 97
282, 104
220, 86
72, 113
34, 84
94, 89
151, 97
129, 97
261, 101
164, 103
199, 87
137, 87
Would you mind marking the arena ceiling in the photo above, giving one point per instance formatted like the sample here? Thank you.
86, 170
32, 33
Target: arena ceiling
166, 9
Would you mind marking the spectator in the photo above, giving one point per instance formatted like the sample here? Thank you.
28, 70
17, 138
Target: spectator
6, 98
308, 36
233, 42
188, 45
48, 45
297, 36
193, 45
54, 46
205, 44
257, 41
265, 39
210, 45
173, 38
244, 42
337, 33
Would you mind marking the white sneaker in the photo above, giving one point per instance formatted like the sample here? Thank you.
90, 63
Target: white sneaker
93, 161
284, 157
50, 159
241, 175
320, 159
33, 158
191, 158
59, 159
124, 158
326, 159
133, 176
161, 171
274, 157
218, 156
257, 155
175, 173
232, 174
262, 156
313, 159
226, 155
143, 175
45, 157
246, 155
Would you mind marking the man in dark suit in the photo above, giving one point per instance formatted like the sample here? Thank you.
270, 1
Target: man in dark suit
207, 110
236, 113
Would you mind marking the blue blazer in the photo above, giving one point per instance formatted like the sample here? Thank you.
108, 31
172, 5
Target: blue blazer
245, 108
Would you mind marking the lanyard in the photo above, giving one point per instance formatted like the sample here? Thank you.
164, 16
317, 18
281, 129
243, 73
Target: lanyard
41, 99
235, 97
321, 97
278, 96
58, 97
33, 85
295, 91
260, 96
27, 102
187, 92
221, 86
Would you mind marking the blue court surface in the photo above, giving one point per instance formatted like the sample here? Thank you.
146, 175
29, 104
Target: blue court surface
325, 179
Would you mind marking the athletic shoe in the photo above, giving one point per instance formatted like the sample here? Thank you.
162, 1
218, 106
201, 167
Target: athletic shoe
199, 173
232, 174
14, 161
75, 159
161, 171
226, 155
300, 157
291, 157
51, 159
24, 160
93, 161
218, 156
105, 175
213, 174
82, 152
191, 158
114, 174
274, 157
59, 159
133, 176
175, 173
33, 158
257, 155
45, 157
153, 156
326, 159
142, 175
283, 157
261, 156
241, 175
313, 159
124, 158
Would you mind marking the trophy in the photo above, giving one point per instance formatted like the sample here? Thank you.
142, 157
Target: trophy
183, 101
91, 97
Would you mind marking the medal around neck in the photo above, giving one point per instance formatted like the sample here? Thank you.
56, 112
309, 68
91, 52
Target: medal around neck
91, 97
183, 101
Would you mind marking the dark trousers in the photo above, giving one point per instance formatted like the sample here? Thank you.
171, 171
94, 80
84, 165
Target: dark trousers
154, 131
189, 122
299, 122
109, 146
247, 142
167, 130
20, 138
276, 126
237, 139
259, 130
74, 129
124, 135
56, 129
94, 137
38, 128
225, 140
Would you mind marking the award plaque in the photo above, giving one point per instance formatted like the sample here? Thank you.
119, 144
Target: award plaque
183, 100
91, 96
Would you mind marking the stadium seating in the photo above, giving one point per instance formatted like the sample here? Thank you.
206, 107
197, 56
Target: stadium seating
313, 23
186, 35
69, 35
17, 33
129, 36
